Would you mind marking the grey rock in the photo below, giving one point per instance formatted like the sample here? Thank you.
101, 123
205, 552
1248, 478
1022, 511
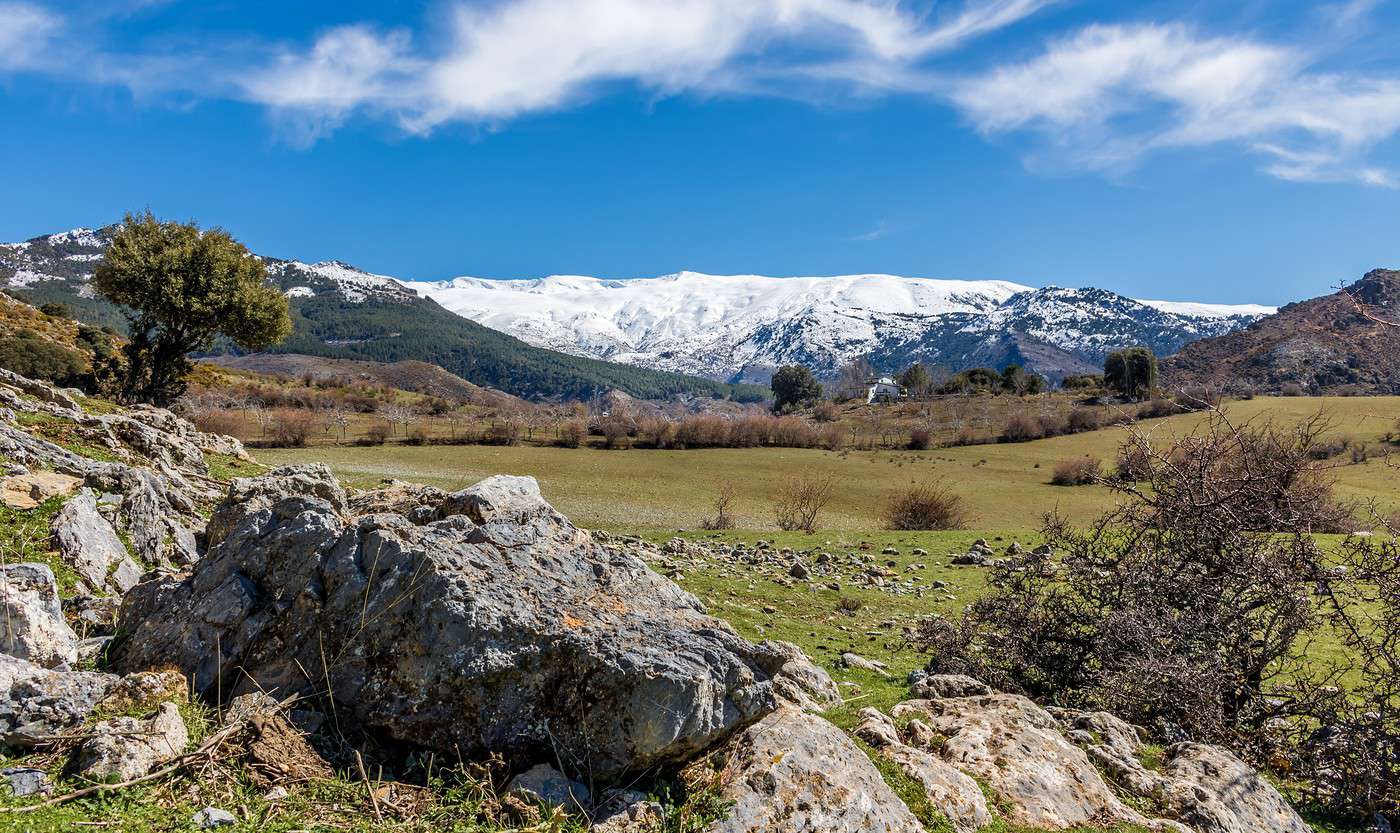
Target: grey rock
543, 784
1017, 749
128, 747
1215, 792
24, 781
87, 542
523, 633
937, 686
211, 817
794, 772
32, 626
37, 704
857, 661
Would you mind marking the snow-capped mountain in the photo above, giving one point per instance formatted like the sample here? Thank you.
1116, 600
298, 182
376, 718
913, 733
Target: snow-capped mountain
730, 327
741, 326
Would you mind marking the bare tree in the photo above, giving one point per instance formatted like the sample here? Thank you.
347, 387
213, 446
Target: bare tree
724, 506
800, 500
397, 413
335, 417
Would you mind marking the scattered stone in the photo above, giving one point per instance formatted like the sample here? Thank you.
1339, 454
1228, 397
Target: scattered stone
794, 772
127, 747
543, 784
32, 626
857, 661
211, 817
27, 491
799, 571
87, 542
25, 781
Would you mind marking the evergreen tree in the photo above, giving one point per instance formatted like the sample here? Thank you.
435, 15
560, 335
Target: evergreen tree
1131, 373
794, 386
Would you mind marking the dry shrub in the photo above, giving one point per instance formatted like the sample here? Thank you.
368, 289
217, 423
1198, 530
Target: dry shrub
826, 412
219, 421
376, 434
656, 433
1197, 398
1084, 419
1053, 425
925, 507
831, 438
793, 432
616, 431
920, 439
1159, 408
503, 432
291, 428
571, 433
1191, 609
1019, 429
800, 500
417, 435
1076, 471
724, 507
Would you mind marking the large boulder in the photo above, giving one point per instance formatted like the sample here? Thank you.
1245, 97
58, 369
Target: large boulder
794, 772
952, 793
1017, 749
499, 628
87, 542
32, 626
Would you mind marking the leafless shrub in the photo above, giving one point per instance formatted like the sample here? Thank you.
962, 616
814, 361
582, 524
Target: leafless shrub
656, 433
503, 431
616, 431
290, 428
1197, 398
800, 500
571, 433
1076, 471
1019, 429
1084, 419
724, 507
920, 439
1158, 408
925, 507
219, 421
376, 434
826, 412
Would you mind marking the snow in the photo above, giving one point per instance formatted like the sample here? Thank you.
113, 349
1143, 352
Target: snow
716, 325
299, 292
81, 236
1195, 310
24, 277
83, 258
355, 285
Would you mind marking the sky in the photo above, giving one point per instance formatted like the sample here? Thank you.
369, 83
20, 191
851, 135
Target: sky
1176, 149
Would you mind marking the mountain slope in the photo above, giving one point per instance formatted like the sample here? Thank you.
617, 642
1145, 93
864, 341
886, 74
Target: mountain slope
341, 312
1324, 345
737, 327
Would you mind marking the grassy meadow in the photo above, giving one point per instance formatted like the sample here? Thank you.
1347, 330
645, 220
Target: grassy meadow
1006, 486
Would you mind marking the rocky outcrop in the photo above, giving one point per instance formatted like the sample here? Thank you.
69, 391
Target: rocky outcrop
27, 491
955, 795
794, 772
498, 628
1017, 749
32, 626
87, 542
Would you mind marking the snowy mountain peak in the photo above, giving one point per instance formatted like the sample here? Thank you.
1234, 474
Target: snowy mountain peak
740, 326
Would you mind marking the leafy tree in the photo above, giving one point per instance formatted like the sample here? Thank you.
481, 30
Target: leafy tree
55, 310
179, 287
794, 386
916, 380
1131, 373
1082, 381
1015, 379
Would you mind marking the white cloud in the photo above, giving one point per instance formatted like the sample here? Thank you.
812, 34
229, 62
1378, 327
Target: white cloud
25, 31
1110, 94
523, 56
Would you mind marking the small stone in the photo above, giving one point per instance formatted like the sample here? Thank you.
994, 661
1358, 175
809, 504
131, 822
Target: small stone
212, 817
126, 747
799, 571
25, 781
543, 784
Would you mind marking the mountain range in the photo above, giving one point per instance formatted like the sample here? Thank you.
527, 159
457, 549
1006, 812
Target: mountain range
687, 333
740, 327
344, 313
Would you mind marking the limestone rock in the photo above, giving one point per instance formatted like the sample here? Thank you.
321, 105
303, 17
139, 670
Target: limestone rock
1017, 749
211, 817
938, 686
543, 784
27, 491
952, 793
859, 662
794, 772
86, 541
128, 747
36, 704
500, 628
1223, 794
32, 626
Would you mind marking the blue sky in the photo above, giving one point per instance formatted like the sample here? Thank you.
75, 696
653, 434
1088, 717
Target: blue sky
1231, 152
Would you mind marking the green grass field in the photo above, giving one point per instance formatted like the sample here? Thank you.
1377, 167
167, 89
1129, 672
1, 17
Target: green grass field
1005, 486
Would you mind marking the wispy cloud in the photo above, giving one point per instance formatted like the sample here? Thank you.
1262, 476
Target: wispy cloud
25, 33
1108, 95
882, 229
